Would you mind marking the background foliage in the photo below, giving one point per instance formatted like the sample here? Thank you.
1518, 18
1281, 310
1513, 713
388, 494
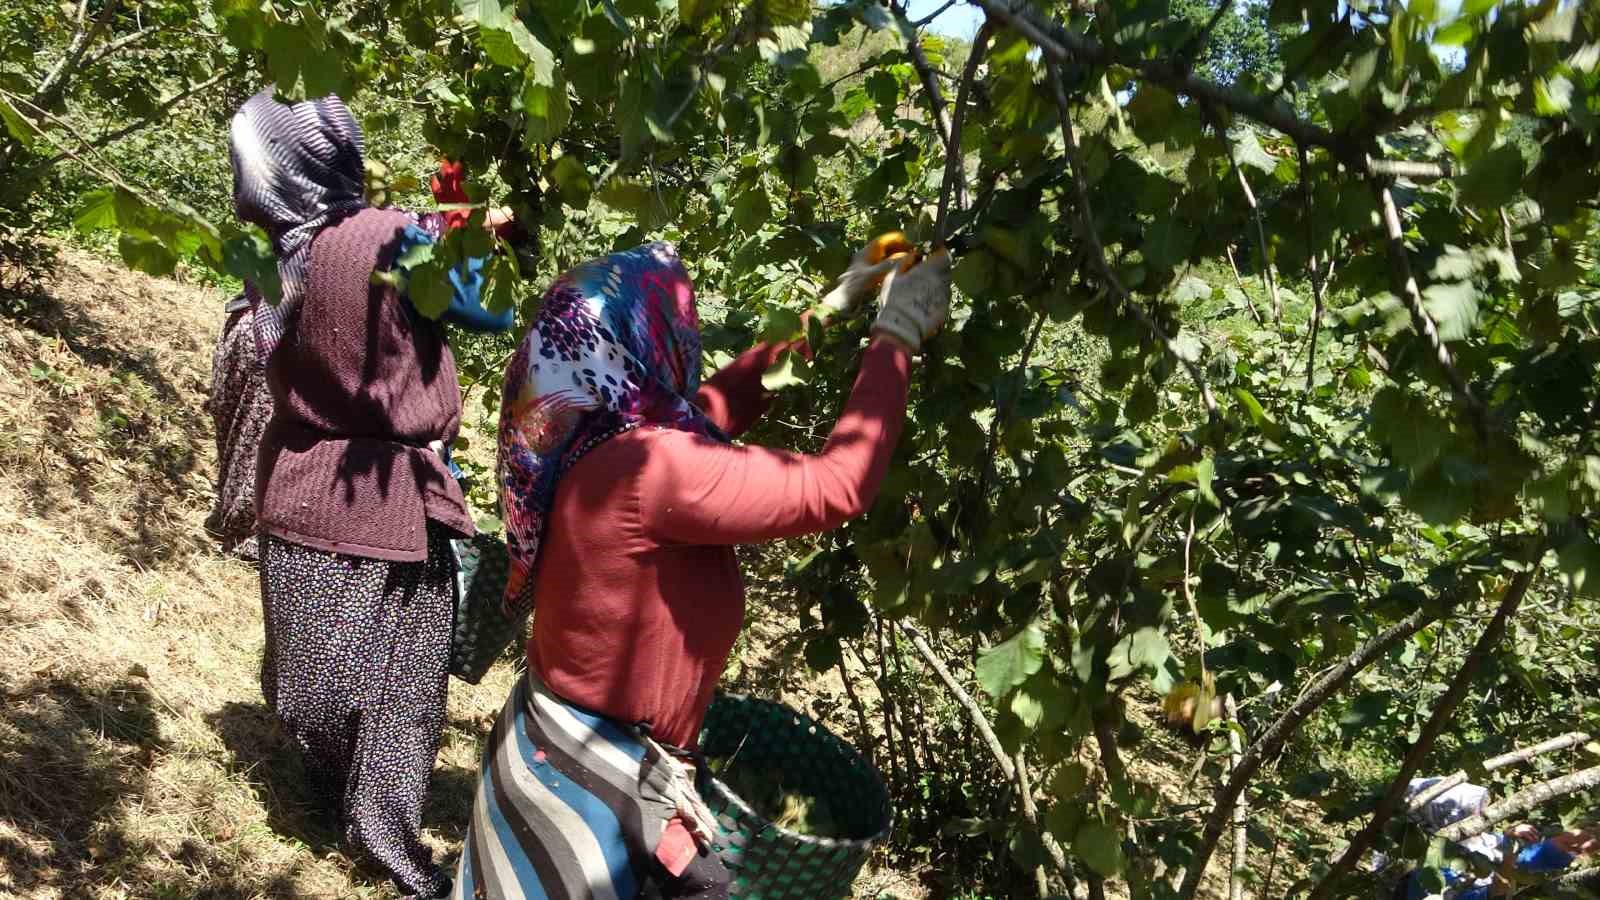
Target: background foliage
1271, 370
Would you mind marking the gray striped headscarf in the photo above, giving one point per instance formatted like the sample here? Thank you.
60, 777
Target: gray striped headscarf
296, 169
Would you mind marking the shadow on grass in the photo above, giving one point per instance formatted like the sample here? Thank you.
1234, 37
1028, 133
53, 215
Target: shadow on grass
152, 427
265, 758
74, 762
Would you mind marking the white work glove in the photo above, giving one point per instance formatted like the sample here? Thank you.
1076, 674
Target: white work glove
914, 303
862, 279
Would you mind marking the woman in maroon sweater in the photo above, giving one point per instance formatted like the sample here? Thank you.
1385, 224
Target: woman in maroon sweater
623, 499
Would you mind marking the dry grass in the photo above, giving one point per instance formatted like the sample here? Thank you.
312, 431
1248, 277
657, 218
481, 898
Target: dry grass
136, 756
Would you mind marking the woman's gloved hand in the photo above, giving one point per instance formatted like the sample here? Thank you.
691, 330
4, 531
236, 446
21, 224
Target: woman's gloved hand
864, 276
914, 303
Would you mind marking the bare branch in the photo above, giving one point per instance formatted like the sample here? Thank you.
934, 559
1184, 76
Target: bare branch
1411, 296
1415, 170
158, 115
1318, 284
54, 85
1521, 802
1582, 878
980, 721
1278, 733
1196, 45
1268, 275
1097, 250
954, 177
935, 14
1443, 709
1061, 46
1571, 739
114, 46
930, 83
1254, 313
1241, 812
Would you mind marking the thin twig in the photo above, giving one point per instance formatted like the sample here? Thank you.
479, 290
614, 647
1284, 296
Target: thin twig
1002, 413
1411, 296
980, 721
1188, 594
1285, 726
1098, 250
1062, 46
935, 14
121, 43
954, 176
1318, 285
1511, 247
1443, 710
54, 84
1241, 812
1196, 45
157, 115
930, 83
1254, 313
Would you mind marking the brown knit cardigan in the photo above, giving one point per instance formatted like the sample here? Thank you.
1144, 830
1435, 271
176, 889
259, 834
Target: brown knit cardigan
361, 386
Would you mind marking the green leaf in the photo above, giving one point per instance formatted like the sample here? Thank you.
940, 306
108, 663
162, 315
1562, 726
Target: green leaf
1027, 708
502, 278
1148, 647
1069, 780
1247, 151
1205, 472
429, 289
545, 105
505, 39
1579, 560
1168, 242
1457, 34
751, 210
145, 255
1364, 713
415, 255
636, 197
1494, 179
1099, 846
1552, 96
572, 181
98, 211
1010, 662
788, 370
1454, 308
17, 124
823, 653
693, 11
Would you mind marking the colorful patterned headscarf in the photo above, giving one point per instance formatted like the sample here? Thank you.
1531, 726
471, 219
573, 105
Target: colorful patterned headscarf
616, 346
296, 169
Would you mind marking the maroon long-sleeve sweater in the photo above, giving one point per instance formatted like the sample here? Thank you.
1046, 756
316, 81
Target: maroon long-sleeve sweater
639, 597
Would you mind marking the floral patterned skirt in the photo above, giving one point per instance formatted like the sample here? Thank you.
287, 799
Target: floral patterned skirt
240, 406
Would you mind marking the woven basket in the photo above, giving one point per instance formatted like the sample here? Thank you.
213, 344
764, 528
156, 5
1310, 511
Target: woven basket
481, 631
772, 863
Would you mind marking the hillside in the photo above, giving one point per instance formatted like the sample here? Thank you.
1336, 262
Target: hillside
136, 756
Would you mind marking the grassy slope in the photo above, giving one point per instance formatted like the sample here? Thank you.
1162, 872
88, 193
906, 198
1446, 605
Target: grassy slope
136, 755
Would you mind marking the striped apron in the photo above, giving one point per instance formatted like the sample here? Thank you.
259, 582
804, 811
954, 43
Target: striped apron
573, 806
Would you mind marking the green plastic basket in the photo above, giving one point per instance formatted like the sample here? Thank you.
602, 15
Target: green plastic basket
481, 631
772, 863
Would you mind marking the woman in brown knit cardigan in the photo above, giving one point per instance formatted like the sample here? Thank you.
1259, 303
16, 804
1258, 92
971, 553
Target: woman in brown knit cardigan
356, 508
